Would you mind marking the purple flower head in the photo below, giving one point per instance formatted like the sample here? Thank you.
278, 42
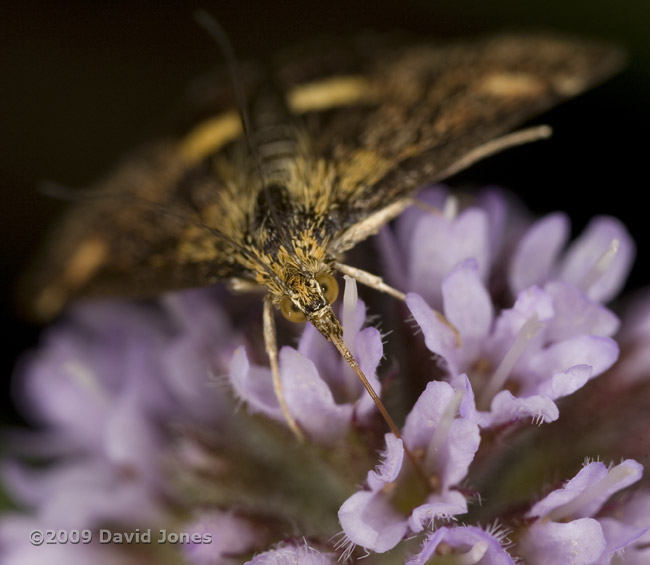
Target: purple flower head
138, 426
440, 426
534, 348
314, 377
566, 528
105, 388
551, 341
518, 347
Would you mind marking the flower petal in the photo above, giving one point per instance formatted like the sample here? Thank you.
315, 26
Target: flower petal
536, 253
310, 400
391, 464
438, 336
585, 252
439, 244
577, 314
254, 385
467, 304
369, 520
580, 542
507, 408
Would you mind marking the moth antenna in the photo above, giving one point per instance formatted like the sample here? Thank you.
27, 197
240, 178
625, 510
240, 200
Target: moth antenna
349, 358
216, 32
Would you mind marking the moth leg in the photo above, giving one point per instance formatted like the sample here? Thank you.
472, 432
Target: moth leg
373, 281
271, 345
376, 282
497, 145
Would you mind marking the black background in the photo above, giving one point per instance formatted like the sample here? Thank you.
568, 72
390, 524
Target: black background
82, 82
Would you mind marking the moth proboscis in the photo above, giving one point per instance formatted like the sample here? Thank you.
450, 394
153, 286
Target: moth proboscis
340, 138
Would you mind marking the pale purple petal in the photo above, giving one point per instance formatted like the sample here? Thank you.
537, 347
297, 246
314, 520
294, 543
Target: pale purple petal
461, 441
369, 520
584, 253
533, 302
193, 376
500, 225
625, 474
576, 314
199, 315
597, 353
635, 512
536, 253
393, 259
580, 542
507, 408
131, 440
467, 304
436, 197
463, 540
254, 385
388, 470
426, 413
439, 244
462, 444
310, 400
83, 494
438, 506
438, 336
618, 536
64, 389
369, 352
564, 383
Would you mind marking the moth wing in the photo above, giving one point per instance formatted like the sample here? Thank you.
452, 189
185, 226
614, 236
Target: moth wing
138, 233
418, 111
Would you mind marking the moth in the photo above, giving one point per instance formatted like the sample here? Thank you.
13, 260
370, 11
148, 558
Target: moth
333, 143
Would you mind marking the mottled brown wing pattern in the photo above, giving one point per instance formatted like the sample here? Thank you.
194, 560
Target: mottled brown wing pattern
371, 124
434, 105
125, 236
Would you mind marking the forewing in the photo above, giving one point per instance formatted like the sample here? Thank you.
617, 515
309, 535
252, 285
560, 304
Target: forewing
424, 108
140, 232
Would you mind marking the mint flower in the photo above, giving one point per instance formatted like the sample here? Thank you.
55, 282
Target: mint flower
565, 531
441, 427
160, 420
520, 349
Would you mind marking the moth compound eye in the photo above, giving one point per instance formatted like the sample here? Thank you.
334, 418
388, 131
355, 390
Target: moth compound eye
329, 286
291, 312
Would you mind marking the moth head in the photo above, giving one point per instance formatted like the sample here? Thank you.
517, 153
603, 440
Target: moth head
309, 297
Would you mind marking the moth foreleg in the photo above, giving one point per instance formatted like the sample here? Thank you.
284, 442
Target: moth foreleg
271, 345
373, 281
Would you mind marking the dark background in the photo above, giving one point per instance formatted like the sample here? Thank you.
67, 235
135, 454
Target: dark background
82, 82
